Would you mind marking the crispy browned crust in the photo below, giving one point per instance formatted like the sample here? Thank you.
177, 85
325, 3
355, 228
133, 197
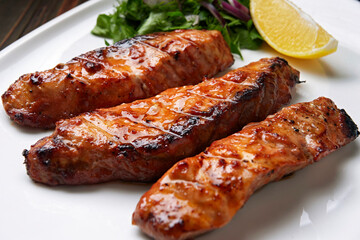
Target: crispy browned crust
139, 141
131, 69
204, 192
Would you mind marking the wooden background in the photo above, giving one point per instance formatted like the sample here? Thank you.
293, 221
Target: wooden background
19, 17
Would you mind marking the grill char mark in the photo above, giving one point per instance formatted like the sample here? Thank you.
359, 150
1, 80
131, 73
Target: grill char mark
205, 191
126, 71
148, 136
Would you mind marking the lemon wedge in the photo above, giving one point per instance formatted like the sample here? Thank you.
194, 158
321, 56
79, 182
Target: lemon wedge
289, 30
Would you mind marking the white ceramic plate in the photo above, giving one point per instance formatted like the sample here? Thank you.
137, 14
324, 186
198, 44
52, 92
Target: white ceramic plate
319, 202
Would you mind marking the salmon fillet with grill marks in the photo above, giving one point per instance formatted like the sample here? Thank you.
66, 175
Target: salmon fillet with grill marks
204, 192
131, 69
139, 141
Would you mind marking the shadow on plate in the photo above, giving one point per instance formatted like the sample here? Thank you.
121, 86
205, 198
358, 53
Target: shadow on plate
341, 65
115, 186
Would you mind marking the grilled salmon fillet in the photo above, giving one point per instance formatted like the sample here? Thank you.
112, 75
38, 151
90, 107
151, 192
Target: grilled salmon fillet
132, 69
204, 192
139, 141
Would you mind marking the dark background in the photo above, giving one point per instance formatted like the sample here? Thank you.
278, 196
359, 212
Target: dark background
19, 17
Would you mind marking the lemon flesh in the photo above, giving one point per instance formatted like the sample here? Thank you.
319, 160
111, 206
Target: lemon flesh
289, 30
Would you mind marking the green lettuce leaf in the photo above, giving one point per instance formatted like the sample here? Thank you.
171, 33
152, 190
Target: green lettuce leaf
135, 17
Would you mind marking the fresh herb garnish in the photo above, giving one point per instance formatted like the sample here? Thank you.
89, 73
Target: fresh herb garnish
138, 17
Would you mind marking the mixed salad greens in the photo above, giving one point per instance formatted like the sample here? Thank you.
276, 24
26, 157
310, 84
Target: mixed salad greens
138, 17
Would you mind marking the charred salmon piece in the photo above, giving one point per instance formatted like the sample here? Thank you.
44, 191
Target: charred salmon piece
139, 141
131, 69
204, 192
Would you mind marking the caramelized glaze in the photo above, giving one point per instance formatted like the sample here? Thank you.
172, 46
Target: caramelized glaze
131, 69
139, 141
204, 192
